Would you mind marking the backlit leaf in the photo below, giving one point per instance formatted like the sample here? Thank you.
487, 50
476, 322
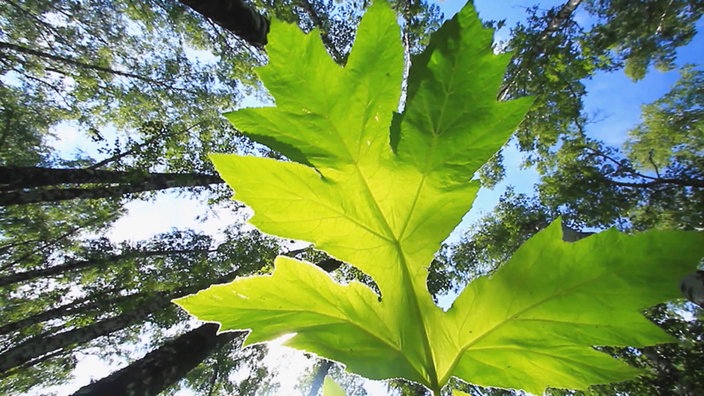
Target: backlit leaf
382, 190
331, 388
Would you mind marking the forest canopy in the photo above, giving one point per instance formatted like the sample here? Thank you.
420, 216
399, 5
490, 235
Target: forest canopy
141, 88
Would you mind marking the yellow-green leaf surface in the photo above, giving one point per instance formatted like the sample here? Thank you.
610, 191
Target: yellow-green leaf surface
382, 190
331, 388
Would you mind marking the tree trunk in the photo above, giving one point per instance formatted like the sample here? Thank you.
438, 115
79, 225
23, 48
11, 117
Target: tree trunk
17, 183
81, 264
24, 177
235, 16
571, 235
45, 343
560, 18
76, 307
42, 344
319, 377
162, 367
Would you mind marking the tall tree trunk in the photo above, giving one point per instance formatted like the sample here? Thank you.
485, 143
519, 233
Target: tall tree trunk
42, 344
76, 307
163, 366
46, 343
235, 16
24, 177
82, 264
39, 245
319, 377
23, 185
562, 16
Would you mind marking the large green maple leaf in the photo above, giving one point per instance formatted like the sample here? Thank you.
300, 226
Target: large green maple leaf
381, 191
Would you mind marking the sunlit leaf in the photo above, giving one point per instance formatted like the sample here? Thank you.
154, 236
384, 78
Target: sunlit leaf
331, 388
382, 191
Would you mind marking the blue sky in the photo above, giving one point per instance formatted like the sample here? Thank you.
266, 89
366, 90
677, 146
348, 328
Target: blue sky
612, 98
611, 95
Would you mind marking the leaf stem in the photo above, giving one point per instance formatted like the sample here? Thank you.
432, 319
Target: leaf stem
437, 391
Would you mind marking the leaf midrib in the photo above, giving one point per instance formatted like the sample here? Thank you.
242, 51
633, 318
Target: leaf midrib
407, 283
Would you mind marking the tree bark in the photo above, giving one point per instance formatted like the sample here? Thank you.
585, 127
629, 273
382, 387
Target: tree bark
319, 377
162, 367
42, 344
81, 264
46, 343
76, 307
571, 235
235, 16
24, 185
560, 18
23, 177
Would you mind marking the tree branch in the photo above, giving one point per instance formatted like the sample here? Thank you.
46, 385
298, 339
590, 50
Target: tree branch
57, 58
20, 184
62, 59
652, 162
235, 16
124, 154
56, 240
696, 183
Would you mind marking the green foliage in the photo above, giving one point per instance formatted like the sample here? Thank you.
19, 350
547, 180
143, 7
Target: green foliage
493, 239
146, 82
337, 20
116, 279
672, 368
113, 70
644, 35
331, 388
670, 138
655, 181
386, 209
558, 48
24, 124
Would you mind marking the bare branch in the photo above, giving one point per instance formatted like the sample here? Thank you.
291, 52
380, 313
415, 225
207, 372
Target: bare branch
62, 59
